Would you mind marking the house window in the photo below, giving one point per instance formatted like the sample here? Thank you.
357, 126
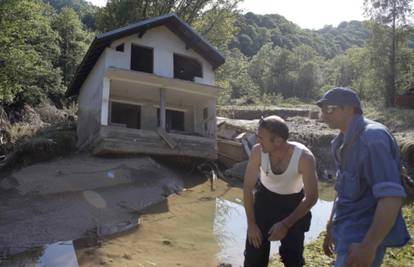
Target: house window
126, 115
174, 120
186, 68
142, 59
120, 48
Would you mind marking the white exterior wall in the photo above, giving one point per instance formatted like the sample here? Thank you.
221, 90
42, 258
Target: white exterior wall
165, 44
210, 104
90, 103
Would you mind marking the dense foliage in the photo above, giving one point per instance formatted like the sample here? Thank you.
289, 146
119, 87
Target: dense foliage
256, 30
267, 57
85, 10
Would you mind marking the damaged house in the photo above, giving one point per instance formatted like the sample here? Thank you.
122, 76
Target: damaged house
148, 88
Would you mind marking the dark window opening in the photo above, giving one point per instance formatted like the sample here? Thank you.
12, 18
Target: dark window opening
120, 48
126, 115
186, 68
174, 120
142, 59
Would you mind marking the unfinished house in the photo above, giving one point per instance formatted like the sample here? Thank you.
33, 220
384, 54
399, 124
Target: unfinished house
148, 88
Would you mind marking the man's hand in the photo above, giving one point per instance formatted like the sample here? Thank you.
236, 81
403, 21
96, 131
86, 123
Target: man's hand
360, 255
254, 235
328, 246
278, 231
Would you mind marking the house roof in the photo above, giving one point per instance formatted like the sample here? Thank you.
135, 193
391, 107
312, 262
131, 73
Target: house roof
179, 27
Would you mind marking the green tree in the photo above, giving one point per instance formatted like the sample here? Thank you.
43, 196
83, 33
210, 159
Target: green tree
73, 42
235, 77
85, 10
218, 24
29, 49
212, 18
281, 77
260, 66
393, 14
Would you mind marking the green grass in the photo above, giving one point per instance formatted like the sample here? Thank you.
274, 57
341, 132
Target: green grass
394, 118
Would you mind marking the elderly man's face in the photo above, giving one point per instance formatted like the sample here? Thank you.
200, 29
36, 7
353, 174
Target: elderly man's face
336, 116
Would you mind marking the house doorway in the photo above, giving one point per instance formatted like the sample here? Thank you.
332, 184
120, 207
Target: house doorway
125, 115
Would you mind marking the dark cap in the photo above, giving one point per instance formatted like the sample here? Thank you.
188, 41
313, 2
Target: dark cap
340, 96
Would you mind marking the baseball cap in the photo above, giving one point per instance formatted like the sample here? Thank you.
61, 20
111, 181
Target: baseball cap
340, 96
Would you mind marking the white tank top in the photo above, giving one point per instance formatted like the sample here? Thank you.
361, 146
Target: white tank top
290, 181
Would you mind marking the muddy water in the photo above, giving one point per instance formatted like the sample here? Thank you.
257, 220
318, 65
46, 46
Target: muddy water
199, 227
230, 228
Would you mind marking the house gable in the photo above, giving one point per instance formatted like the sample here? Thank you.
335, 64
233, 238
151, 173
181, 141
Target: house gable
179, 33
166, 46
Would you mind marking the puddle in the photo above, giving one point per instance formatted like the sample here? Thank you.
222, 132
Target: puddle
230, 229
57, 254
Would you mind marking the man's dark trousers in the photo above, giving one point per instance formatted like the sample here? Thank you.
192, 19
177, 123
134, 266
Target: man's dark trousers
269, 208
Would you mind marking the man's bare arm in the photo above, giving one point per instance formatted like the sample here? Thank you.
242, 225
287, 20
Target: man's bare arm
250, 180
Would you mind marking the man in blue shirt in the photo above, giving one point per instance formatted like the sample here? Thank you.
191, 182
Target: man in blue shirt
366, 217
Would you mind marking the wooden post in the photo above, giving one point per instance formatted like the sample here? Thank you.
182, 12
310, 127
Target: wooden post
162, 108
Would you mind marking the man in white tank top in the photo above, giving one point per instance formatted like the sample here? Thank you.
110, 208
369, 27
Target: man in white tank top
280, 188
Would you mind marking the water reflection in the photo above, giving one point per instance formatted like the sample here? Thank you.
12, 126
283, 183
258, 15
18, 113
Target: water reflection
230, 229
59, 254
53, 255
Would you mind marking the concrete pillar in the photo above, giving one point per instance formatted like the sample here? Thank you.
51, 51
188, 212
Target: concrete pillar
162, 108
105, 101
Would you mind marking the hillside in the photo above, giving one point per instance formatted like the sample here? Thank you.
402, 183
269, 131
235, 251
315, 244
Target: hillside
256, 30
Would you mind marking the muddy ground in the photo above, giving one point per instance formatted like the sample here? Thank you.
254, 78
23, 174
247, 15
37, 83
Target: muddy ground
78, 196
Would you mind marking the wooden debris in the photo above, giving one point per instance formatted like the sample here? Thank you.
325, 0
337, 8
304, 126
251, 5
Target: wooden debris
166, 138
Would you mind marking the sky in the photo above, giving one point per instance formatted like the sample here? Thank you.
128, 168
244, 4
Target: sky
307, 14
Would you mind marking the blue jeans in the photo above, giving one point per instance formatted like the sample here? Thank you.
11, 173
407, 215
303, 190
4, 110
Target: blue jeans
379, 256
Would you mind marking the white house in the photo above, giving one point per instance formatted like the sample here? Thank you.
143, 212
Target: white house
148, 88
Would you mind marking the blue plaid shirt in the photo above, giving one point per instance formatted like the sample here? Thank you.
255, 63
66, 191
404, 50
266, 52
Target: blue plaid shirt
370, 170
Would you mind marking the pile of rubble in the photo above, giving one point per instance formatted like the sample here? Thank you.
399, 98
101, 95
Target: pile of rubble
235, 139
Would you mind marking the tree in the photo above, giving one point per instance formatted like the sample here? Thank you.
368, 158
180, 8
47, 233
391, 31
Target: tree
393, 14
234, 75
218, 24
260, 66
73, 42
29, 49
85, 10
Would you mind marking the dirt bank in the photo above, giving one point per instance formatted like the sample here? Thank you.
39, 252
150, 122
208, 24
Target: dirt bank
74, 197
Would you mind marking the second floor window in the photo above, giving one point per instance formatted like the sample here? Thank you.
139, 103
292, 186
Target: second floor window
186, 68
142, 58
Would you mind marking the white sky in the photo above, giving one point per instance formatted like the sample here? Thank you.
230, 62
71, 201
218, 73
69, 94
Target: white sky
308, 14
